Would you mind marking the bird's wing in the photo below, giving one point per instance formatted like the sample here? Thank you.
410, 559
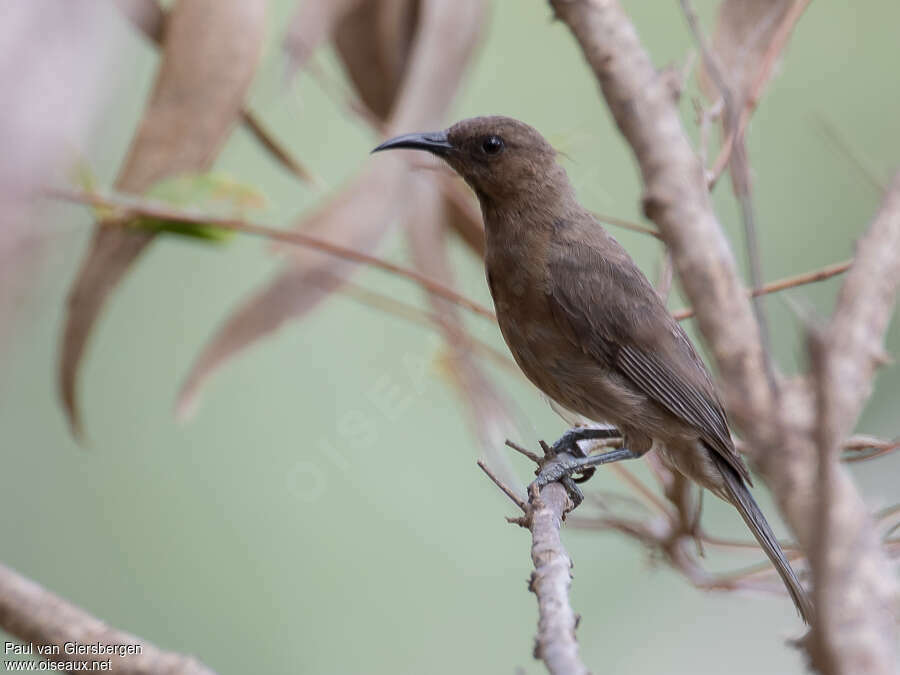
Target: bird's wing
602, 302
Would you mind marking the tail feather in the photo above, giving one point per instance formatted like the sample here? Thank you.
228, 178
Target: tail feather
752, 515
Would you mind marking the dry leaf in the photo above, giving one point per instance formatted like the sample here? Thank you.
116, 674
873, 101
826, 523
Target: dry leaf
373, 200
744, 31
210, 53
43, 122
311, 25
375, 60
463, 214
487, 409
147, 15
360, 216
374, 63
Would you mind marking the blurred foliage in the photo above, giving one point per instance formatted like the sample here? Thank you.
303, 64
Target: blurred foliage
213, 193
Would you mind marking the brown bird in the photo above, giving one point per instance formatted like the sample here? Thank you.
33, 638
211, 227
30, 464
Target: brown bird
586, 326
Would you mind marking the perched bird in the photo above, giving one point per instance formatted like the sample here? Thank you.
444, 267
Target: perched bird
586, 326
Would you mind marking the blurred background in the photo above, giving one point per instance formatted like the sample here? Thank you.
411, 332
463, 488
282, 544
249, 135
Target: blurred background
299, 523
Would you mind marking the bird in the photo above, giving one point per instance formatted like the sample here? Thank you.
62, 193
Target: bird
585, 325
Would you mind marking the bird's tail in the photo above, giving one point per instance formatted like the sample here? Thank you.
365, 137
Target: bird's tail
750, 512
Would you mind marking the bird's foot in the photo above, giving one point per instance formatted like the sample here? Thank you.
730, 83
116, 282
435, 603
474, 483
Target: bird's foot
556, 467
568, 443
561, 466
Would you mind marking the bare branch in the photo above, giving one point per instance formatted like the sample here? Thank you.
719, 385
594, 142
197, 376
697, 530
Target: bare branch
856, 593
37, 616
862, 448
153, 209
635, 484
556, 645
626, 224
740, 172
763, 75
504, 488
865, 305
524, 451
782, 284
783, 438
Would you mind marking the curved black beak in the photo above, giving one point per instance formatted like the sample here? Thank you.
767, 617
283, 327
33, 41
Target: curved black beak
434, 142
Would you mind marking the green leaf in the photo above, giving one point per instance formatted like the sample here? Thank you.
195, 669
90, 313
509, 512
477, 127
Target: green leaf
209, 233
212, 193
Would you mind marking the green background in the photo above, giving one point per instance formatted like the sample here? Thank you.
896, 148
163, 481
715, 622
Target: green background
292, 525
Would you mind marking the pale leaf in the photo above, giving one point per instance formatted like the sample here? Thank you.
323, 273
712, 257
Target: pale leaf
210, 53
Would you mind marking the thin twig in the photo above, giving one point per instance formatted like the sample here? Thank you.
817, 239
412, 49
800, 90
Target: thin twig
508, 491
415, 314
740, 171
873, 452
153, 209
782, 284
763, 74
724, 542
833, 134
276, 148
632, 480
626, 224
525, 451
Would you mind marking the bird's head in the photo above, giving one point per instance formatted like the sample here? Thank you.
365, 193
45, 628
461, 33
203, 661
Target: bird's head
499, 157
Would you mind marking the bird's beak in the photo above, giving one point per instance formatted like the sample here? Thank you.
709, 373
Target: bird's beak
435, 142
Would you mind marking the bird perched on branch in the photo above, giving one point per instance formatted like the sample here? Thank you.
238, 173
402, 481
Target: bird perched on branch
586, 326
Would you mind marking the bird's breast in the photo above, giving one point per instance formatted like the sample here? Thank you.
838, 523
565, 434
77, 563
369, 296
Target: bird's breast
546, 355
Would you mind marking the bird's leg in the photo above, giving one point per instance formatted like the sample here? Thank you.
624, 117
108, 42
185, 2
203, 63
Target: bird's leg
568, 443
564, 465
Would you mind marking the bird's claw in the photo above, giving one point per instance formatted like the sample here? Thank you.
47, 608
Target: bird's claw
560, 468
568, 444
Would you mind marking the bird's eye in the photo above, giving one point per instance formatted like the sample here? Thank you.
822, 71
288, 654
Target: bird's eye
492, 145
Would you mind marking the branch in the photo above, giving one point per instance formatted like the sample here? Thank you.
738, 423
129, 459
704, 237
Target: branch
131, 206
556, 645
783, 437
34, 615
626, 224
783, 284
856, 592
864, 308
776, 46
675, 196
740, 173
862, 448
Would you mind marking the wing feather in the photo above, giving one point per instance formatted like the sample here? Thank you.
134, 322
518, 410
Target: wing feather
605, 302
